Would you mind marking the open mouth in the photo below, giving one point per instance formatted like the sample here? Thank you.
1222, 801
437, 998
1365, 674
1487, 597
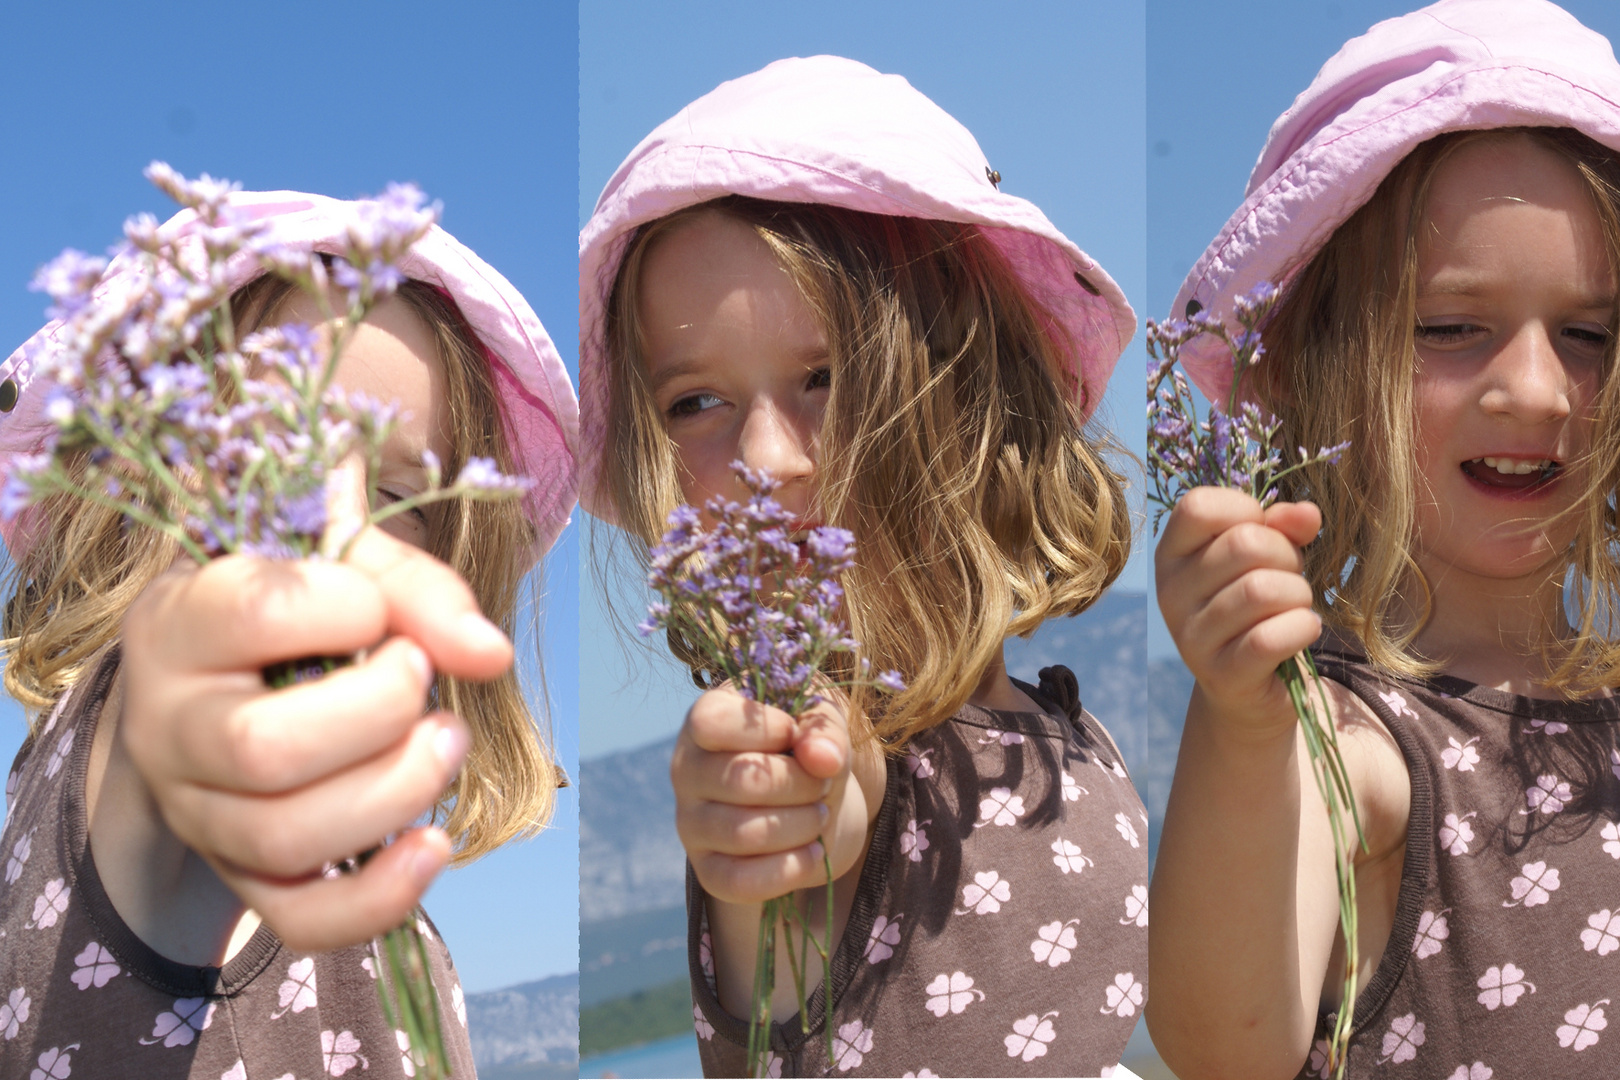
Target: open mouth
799, 531
1513, 475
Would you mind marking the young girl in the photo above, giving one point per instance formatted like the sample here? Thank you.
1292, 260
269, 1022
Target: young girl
1441, 208
165, 801
811, 269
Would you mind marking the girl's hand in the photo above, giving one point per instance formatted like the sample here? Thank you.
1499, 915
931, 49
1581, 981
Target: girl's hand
270, 786
1235, 601
755, 788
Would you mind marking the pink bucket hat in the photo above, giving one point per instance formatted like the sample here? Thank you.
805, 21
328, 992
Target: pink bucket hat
833, 131
1458, 64
541, 411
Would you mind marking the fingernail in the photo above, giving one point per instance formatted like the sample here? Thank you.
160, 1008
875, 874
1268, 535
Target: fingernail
816, 850
419, 663
479, 632
821, 808
450, 745
425, 865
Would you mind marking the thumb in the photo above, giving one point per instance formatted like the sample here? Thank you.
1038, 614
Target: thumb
821, 744
430, 603
1300, 521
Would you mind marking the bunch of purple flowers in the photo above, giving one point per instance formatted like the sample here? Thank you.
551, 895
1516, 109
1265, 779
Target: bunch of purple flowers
159, 411
765, 611
1238, 448
1234, 448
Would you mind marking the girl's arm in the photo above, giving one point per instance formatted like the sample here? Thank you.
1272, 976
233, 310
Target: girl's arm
754, 789
1245, 904
212, 779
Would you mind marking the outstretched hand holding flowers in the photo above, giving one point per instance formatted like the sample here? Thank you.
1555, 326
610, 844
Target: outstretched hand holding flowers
265, 464
771, 795
1231, 588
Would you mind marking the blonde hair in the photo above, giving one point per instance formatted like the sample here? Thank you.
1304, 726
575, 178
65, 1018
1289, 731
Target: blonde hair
1341, 365
88, 565
979, 506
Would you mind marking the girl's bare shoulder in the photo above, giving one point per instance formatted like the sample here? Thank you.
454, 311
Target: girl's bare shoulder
1375, 766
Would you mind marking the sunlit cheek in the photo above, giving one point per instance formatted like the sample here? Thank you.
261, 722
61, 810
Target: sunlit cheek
407, 527
703, 466
1427, 483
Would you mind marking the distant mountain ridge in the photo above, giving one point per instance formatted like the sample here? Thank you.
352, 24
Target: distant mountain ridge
526, 1032
630, 859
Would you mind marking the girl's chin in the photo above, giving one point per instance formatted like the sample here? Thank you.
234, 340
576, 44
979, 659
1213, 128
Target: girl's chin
1504, 559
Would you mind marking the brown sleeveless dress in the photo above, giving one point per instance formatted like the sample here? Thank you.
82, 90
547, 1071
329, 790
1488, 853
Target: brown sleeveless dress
1000, 922
1504, 960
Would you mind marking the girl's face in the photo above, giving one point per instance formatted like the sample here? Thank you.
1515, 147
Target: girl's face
1514, 300
393, 357
736, 360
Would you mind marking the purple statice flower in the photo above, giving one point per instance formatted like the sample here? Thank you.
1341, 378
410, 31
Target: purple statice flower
1252, 307
482, 475
69, 280
765, 609
25, 472
305, 514
282, 258
205, 194
141, 231
224, 446
831, 544
1235, 446
891, 681
386, 226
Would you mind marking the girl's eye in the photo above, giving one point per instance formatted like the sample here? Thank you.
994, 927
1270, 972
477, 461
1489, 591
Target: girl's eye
417, 514
1588, 335
1445, 333
693, 404
820, 379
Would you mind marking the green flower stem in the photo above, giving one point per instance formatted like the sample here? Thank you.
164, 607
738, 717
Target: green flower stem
1333, 783
131, 511
784, 910
409, 1001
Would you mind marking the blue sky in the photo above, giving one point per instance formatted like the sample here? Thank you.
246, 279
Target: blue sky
1052, 91
480, 109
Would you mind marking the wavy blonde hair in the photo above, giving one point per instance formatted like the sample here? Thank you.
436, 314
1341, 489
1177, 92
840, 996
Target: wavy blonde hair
1341, 365
979, 505
88, 565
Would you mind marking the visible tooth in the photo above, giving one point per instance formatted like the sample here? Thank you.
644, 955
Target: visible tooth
1489, 462
1525, 468
1504, 466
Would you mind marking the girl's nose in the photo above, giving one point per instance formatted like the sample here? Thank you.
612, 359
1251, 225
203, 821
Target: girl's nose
1530, 383
777, 442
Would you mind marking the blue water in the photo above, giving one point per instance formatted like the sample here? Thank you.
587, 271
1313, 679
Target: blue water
675, 1057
